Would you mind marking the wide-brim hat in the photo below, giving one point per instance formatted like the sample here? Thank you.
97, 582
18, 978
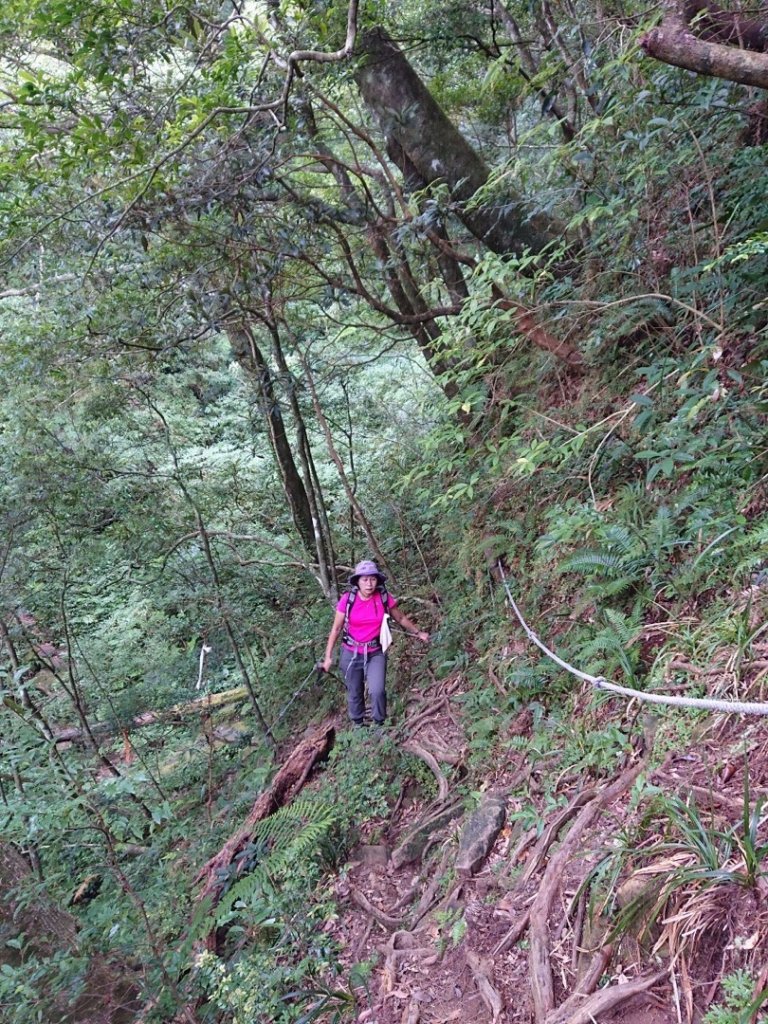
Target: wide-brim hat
366, 568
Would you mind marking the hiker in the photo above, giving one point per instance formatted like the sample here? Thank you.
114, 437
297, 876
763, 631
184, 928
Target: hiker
359, 617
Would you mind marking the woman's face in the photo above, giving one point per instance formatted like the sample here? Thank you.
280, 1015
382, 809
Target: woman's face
367, 585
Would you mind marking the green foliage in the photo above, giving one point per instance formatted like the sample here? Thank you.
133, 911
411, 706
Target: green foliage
285, 847
739, 1004
152, 201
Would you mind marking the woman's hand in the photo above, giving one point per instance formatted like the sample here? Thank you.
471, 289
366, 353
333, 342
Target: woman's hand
326, 664
424, 637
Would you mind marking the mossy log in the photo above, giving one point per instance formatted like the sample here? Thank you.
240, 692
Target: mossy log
284, 788
185, 708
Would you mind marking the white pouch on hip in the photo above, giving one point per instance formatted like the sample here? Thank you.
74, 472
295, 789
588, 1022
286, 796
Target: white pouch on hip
385, 634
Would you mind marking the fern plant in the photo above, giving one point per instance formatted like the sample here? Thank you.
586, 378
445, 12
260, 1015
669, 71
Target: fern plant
752, 549
610, 646
293, 836
627, 559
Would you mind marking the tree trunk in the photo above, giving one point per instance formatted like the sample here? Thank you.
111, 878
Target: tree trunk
339, 464
250, 357
320, 526
283, 788
412, 120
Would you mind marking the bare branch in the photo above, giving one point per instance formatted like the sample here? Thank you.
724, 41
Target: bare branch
674, 43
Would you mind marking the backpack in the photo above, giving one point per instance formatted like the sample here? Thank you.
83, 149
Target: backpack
381, 591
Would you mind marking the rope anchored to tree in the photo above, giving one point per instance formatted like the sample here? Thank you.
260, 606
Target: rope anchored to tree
600, 683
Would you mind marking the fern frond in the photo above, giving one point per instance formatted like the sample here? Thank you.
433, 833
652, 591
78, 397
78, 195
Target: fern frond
613, 588
590, 561
619, 536
290, 837
757, 538
625, 628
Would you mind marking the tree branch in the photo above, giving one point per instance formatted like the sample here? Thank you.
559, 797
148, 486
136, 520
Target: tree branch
673, 42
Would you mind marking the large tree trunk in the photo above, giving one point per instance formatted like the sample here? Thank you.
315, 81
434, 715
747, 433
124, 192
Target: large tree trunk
321, 528
412, 120
282, 790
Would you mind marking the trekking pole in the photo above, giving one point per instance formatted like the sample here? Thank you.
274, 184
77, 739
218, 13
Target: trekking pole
317, 669
407, 632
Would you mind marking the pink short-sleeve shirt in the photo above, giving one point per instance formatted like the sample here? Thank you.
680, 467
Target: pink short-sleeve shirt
366, 617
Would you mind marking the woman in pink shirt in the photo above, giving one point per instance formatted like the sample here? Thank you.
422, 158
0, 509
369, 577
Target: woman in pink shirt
362, 656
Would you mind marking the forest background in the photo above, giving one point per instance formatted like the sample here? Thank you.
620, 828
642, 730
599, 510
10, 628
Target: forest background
469, 288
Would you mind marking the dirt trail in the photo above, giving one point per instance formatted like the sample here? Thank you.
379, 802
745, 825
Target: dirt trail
514, 943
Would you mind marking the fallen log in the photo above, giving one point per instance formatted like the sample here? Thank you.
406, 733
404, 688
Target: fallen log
283, 788
211, 701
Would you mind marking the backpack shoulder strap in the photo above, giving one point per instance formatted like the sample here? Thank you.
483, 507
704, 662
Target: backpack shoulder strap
352, 594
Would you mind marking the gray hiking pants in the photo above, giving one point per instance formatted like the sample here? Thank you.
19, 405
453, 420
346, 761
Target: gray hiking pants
356, 667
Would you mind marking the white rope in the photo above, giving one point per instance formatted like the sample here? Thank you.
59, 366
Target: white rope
600, 683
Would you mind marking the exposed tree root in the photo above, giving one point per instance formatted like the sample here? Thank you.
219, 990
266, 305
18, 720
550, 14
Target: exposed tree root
401, 944
593, 1007
410, 725
525, 841
551, 832
592, 977
482, 972
542, 988
414, 748
578, 927
428, 896
411, 1013
384, 919
431, 741
514, 934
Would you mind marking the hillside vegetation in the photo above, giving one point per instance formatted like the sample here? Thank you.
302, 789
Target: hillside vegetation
476, 290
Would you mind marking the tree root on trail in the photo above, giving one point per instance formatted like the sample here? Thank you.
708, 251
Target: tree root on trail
418, 751
410, 725
542, 986
411, 1013
514, 934
578, 927
482, 972
283, 788
428, 896
581, 1009
394, 951
384, 919
361, 942
551, 832
525, 841
430, 740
